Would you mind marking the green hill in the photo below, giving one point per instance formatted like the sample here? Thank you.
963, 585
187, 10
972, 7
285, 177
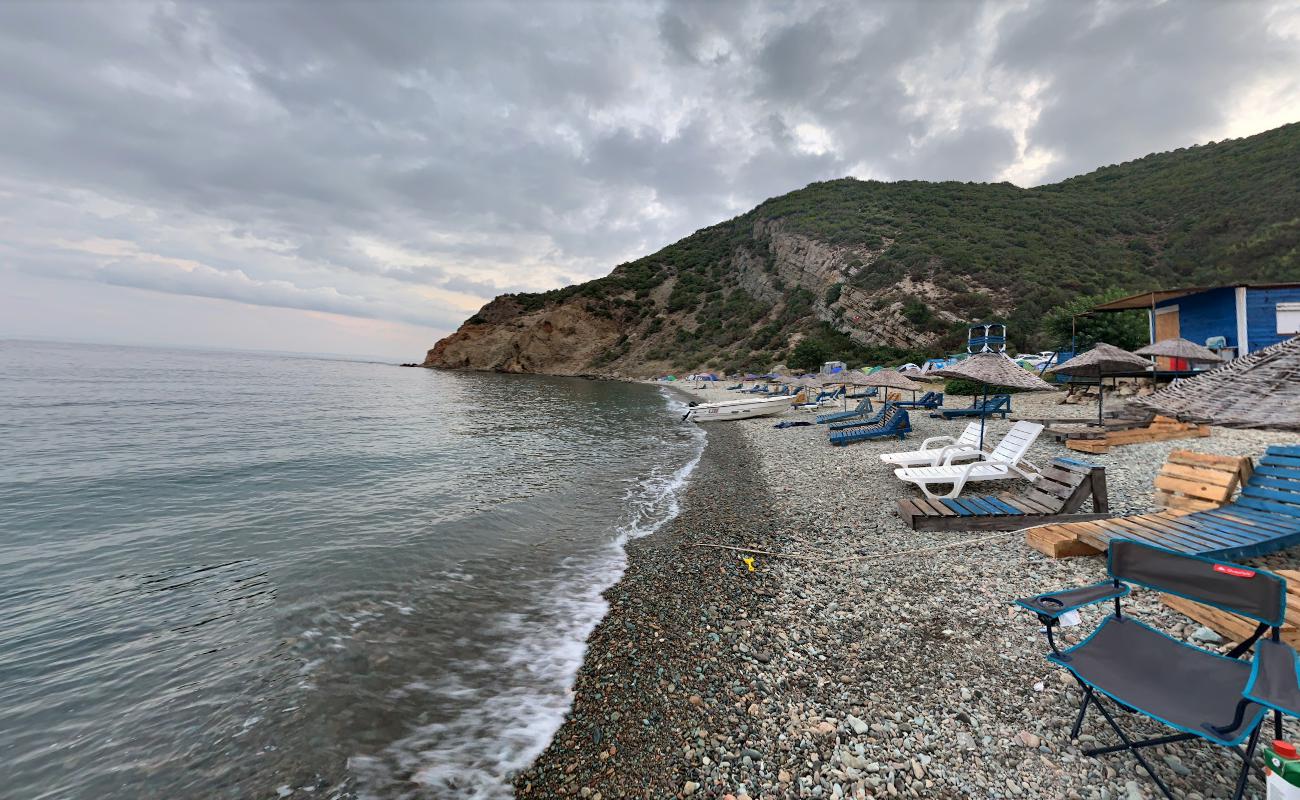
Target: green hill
868, 267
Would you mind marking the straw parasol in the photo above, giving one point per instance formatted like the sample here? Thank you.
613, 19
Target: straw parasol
1259, 390
994, 369
893, 379
1181, 348
1103, 359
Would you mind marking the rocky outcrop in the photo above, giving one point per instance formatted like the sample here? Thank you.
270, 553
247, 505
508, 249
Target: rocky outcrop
502, 337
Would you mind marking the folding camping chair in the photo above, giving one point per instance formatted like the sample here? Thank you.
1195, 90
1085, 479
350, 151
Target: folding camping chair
1202, 694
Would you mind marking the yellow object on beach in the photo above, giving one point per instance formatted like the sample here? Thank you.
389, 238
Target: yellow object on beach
749, 562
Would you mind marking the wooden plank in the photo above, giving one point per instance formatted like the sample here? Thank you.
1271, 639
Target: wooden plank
1187, 472
1204, 540
1003, 506
1055, 472
1200, 490
1230, 626
1100, 497
1072, 465
1017, 503
1146, 528
1092, 446
1097, 534
1185, 503
1205, 460
908, 511
1053, 543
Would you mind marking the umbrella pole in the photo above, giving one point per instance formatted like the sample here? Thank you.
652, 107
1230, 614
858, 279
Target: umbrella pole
1100, 385
984, 413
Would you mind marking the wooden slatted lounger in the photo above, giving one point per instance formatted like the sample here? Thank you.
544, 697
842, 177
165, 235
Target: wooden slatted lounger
1058, 494
1195, 489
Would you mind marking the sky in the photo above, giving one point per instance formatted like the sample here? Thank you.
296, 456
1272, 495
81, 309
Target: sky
360, 177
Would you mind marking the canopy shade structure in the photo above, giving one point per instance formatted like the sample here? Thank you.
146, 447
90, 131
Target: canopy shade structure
994, 369
889, 379
1181, 348
1102, 359
1260, 390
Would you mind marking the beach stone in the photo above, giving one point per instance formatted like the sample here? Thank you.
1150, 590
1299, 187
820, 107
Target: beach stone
689, 788
1206, 636
859, 727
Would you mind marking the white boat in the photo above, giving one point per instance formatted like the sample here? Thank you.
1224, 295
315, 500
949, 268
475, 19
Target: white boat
739, 409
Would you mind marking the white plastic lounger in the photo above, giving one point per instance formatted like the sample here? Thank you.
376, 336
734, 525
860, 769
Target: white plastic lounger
964, 447
1003, 463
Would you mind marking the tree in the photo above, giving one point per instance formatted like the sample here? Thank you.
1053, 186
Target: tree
1072, 323
807, 355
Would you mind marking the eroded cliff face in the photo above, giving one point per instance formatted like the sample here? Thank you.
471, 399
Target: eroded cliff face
502, 337
582, 336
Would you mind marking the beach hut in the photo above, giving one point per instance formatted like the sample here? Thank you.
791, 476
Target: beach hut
1234, 320
1261, 390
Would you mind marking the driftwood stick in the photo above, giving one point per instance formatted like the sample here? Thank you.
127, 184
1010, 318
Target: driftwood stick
815, 560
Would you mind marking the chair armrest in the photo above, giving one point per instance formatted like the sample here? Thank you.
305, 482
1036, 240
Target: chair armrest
1274, 681
1054, 604
925, 445
947, 454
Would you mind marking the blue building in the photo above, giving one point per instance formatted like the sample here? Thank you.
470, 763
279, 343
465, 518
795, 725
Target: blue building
1234, 320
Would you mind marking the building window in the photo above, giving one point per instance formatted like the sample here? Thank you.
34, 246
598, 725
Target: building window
1288, 318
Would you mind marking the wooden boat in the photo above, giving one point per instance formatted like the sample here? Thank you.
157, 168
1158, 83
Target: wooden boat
739, 409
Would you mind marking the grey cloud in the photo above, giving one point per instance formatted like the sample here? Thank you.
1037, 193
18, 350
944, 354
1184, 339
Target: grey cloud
265, 140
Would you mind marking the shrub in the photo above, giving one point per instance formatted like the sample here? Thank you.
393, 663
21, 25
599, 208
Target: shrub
808, 355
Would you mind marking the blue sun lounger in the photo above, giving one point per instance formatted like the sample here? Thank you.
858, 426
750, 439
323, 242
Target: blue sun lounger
872, 392
927, 400
736, 387
895, 423
862, 422
1264, 518
862, 409
996, 404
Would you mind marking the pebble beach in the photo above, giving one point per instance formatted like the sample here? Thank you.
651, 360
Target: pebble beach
866, 659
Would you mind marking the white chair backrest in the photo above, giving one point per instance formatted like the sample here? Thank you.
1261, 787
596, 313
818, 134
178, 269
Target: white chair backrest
969, 437
1017, 442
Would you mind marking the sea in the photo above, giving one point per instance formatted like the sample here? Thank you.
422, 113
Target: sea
249, 575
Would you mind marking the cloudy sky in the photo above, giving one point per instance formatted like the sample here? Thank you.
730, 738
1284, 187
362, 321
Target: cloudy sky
360, 177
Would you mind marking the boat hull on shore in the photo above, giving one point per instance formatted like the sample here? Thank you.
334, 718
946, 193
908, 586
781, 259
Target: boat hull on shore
739, 409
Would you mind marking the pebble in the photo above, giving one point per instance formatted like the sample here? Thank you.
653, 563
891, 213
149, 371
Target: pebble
908, 677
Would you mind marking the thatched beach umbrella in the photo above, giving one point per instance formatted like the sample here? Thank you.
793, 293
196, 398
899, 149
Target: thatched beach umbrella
1259, 390
892, 379
994, 369
1181, 348
1103, 359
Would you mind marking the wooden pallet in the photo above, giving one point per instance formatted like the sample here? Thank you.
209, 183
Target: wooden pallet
1057, 494
1161, 429
1235, 628
1187, 482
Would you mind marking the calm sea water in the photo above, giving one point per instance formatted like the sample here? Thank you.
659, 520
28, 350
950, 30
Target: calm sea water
240, 575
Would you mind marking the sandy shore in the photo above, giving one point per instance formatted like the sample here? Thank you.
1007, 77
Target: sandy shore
904, 676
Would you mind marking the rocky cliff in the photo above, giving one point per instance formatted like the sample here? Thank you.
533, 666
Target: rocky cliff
881, 269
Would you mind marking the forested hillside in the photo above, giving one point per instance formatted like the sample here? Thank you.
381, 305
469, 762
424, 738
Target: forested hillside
867, 268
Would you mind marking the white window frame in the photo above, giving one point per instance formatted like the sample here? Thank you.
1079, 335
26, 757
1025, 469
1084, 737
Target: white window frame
1288, 318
